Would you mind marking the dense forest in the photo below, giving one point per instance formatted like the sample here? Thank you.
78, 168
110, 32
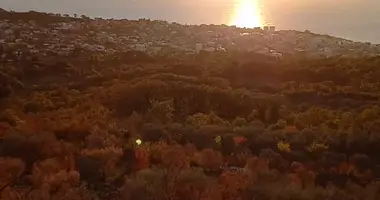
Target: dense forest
215, 126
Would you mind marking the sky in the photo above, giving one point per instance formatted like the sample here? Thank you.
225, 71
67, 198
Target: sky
358, 20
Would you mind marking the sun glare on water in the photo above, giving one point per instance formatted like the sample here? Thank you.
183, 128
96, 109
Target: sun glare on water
247, 14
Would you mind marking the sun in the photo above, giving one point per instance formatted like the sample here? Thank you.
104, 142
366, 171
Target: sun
247, 14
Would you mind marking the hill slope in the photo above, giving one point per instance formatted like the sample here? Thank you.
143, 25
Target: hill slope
217, 125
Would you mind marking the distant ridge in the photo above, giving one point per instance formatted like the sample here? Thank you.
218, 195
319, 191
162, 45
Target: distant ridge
184, 38
64, 18
34, 15
55, 17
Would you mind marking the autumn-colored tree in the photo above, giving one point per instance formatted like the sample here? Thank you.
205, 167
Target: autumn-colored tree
193, 185
142, 158
61, 116
174, 163
135, 122
202, 119
344, 168
10, 170
161, 111
228, 144
291, 129
239, 122
210, 160
284, 147
233, 183
256, 165
174, 158
49, 177
301, 176
190, 150
107, 158
156, 151
30, 146
239, 140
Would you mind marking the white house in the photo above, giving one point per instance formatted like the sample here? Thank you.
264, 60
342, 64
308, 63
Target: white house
198, 47
140, 47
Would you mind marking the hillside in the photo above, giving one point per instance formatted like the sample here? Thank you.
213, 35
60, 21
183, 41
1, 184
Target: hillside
127, 124
45, 33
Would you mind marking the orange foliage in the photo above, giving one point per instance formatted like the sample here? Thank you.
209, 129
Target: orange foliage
239, 139
254, 165
301, 176
190, 150
230, 160
231, 183
295, 180
33, 124
142, 158
50, 175
157, 149
79, 117
344, 168
210, 159
10, 169
175, 158
263, 164
108, 157
291, 129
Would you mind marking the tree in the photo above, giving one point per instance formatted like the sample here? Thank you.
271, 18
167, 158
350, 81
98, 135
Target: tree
174, 158
190, 184
107, 158
210, 160
193, 184
228, 144
142, 158
301, 176
84, 17
161, 111
232, 184
134, 124
10, 170
202, 119
51, 177
174, 163
5, 91
239, 121
272, 114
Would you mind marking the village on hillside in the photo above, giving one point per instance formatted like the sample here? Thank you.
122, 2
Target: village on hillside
42, 34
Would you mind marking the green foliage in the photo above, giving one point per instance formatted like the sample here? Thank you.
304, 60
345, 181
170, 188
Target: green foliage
161, 111
239, 122
201, 119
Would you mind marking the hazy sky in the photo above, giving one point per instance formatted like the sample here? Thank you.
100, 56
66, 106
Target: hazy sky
352, 19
